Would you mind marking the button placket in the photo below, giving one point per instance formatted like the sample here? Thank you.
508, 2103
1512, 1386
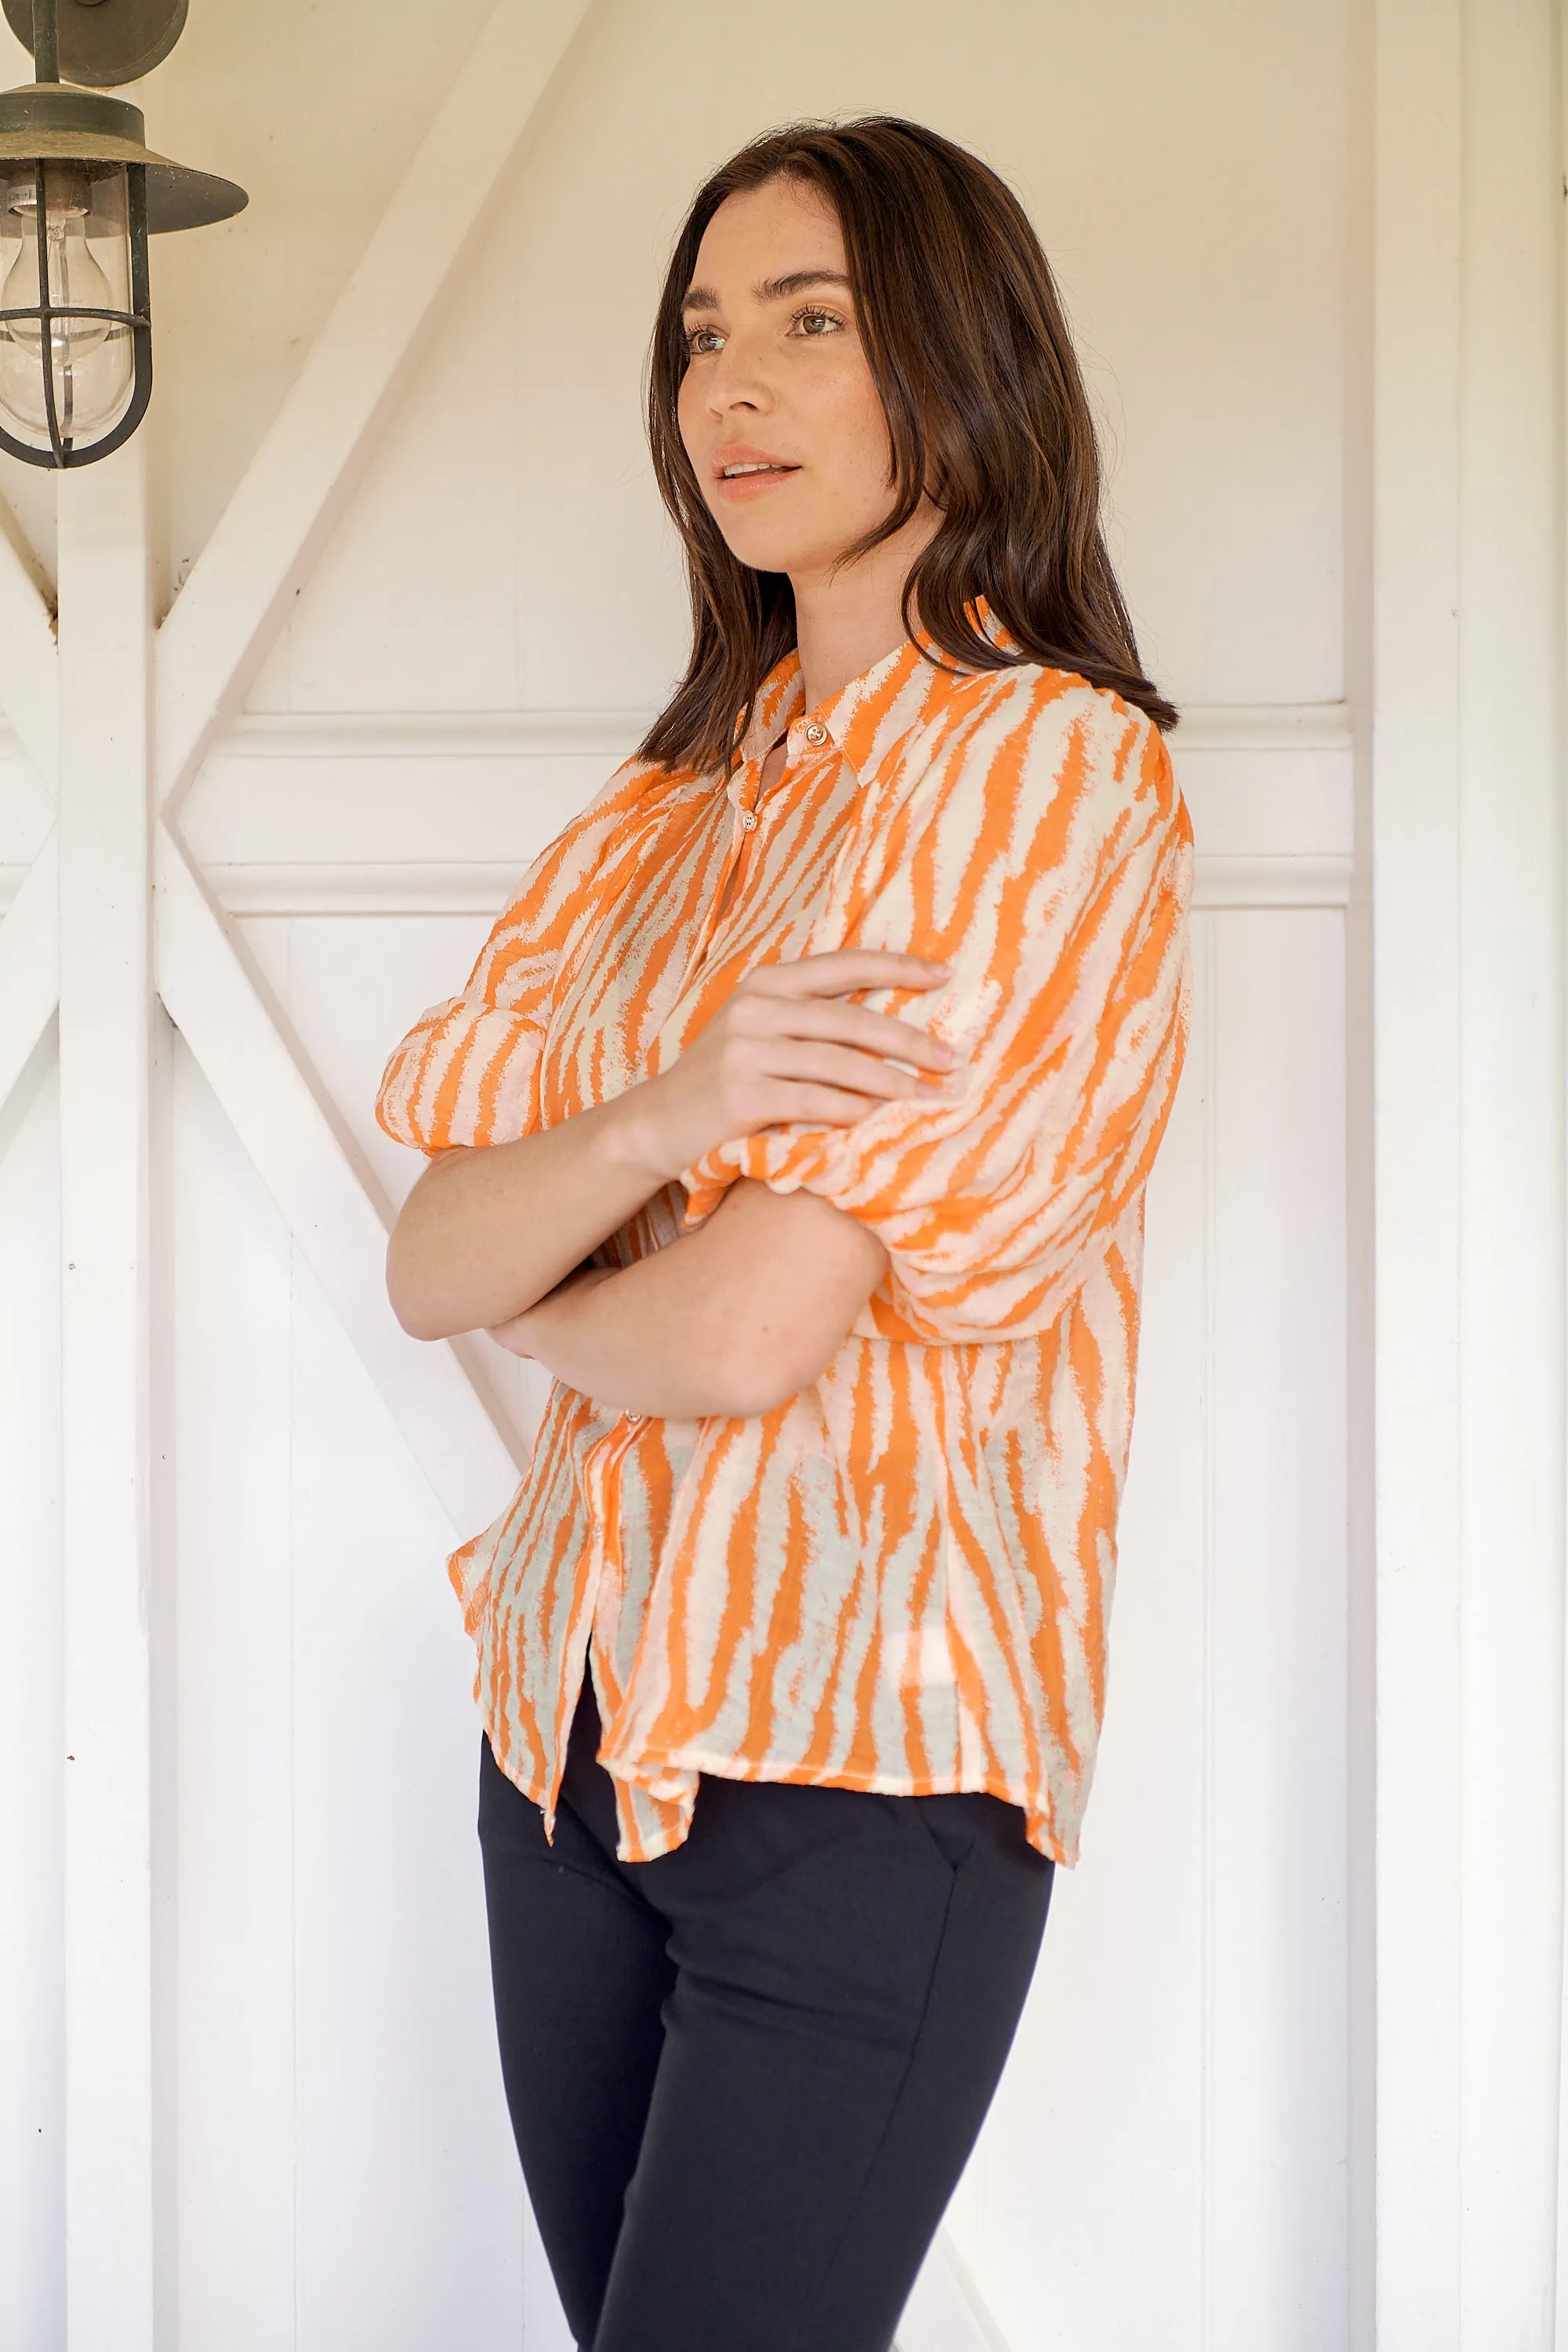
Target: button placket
741, 792
745, 791
709, 922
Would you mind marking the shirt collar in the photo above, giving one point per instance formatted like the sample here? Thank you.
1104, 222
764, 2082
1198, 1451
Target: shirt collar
867, 718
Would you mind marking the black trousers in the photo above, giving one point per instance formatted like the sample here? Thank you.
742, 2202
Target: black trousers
745, 2077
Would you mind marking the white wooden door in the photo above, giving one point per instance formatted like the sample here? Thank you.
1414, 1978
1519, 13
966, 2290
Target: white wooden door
414, 597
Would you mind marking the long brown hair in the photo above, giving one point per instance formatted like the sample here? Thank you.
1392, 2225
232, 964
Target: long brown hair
968, 346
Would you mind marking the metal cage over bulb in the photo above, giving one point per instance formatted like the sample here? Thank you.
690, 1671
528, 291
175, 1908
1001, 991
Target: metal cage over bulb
80, 193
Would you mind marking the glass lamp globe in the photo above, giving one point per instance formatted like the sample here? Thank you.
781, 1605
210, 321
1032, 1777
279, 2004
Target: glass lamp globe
78, 272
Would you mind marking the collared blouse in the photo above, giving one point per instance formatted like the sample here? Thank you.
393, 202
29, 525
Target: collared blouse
899, 1579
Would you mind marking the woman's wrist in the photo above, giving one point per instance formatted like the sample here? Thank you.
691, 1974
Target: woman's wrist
634, 1138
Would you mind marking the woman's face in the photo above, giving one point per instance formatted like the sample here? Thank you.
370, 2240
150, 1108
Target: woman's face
778, 412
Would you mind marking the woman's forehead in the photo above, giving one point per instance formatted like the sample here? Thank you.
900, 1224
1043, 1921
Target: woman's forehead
778, 230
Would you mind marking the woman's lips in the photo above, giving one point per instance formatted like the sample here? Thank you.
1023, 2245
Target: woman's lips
752, 486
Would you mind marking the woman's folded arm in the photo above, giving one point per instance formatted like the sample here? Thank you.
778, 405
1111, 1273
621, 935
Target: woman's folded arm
730, 1319
486, 1233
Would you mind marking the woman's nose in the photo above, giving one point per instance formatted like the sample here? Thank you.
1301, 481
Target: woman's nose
736, 381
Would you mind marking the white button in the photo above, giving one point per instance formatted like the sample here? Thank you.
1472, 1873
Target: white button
816, 732
633, 1417
748, 820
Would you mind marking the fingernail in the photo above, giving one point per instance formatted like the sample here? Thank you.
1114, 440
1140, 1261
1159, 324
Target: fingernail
944, 1050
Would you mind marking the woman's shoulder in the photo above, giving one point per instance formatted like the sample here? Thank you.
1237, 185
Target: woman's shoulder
1050, 702
1040, 729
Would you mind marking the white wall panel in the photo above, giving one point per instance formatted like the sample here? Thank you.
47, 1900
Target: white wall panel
1278, 1639
232, 1325
347, 2182
349, 987
399, 2091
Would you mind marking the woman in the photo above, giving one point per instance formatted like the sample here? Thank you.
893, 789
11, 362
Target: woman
798, 1117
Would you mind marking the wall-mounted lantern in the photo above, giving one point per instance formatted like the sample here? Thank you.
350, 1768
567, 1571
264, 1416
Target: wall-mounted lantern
80, 193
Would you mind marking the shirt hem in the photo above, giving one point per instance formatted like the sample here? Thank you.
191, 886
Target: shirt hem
1057, 1849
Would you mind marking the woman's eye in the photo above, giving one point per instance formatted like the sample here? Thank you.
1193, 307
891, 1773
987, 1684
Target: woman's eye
699, 340
817, 322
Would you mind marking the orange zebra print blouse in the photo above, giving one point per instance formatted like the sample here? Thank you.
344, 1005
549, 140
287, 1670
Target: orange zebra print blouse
899, 1579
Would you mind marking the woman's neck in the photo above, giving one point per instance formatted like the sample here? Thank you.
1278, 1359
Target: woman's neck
847, 621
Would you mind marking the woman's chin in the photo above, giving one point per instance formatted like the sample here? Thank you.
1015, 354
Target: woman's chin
762, 551
792, 552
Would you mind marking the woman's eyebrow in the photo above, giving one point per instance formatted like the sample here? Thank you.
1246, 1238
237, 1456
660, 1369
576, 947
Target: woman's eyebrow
779, 290
768, 289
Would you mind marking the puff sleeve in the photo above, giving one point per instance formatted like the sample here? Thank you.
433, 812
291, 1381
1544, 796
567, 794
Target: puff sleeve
466, 1072
1046, 857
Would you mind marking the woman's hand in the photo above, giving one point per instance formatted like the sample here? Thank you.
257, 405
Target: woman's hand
786, 1047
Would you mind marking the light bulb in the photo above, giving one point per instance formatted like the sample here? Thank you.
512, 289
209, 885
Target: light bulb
92, 360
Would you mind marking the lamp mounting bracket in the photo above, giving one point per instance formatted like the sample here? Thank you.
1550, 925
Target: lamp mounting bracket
103, 42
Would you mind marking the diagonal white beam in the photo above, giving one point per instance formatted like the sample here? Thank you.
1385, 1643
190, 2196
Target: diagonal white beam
29, 687
219, 628
29, 966
314, 1174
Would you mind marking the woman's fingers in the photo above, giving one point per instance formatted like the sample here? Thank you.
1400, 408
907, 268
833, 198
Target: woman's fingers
853, 1070
820, 1105
872, 1033
846, 1025
843, 969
